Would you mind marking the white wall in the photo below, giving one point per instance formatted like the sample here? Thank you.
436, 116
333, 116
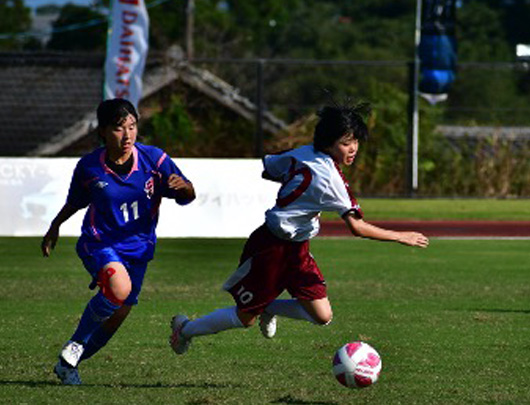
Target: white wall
231, 198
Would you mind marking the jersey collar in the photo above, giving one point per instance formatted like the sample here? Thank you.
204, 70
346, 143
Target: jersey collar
107, 169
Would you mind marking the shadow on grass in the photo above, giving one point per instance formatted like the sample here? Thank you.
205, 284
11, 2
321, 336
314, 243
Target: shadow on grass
157, 385
501, 311
288, 399
29, 383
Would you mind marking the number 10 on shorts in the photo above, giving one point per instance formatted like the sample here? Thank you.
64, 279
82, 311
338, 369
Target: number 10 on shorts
244, 296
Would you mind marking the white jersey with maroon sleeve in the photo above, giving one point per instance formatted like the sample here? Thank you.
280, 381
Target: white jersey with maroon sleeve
311, 182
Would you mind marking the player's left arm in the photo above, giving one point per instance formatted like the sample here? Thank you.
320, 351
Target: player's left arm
267, 176
184, 191
176, 186
361, 228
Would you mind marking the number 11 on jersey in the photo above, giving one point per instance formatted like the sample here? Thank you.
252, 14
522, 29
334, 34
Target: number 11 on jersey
125, 211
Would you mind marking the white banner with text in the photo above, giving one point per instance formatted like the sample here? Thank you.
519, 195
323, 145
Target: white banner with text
127, 46
231, 198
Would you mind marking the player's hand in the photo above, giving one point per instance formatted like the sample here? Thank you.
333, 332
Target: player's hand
414, 239
49, 241
185, 193
175, 182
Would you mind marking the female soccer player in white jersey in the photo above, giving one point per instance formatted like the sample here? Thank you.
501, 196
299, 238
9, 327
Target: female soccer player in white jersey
122, 184
276, 256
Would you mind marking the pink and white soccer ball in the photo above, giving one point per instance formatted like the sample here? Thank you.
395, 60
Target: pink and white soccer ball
357, 365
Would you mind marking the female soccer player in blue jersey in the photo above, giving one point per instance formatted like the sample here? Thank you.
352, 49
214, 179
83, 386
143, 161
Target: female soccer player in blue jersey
122, 184
276, 256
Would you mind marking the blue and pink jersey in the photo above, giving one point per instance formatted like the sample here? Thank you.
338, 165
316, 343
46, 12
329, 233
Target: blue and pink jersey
123, 209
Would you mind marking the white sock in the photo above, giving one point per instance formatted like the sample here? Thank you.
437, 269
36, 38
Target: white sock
289, 309
214, 322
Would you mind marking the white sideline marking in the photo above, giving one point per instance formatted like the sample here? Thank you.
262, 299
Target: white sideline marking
481, 237
441, 237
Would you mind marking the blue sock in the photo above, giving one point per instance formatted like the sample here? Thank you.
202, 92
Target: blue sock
97, 341
98, 309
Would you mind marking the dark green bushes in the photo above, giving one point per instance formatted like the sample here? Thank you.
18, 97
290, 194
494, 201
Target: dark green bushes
480, 166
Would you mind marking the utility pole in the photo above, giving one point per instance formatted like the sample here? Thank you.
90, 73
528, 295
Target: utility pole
415, 116
258, 137
190, 14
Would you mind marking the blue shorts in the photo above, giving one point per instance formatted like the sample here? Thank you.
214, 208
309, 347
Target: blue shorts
94, 258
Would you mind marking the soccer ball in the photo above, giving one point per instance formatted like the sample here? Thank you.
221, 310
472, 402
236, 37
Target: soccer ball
357, 365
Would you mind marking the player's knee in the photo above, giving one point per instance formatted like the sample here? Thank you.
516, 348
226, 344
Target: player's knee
323, 318
115, 284
247, 320
249, 323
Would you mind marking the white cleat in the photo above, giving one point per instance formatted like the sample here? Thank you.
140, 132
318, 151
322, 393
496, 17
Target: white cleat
177, 341
72, 352
67, 375
267, 325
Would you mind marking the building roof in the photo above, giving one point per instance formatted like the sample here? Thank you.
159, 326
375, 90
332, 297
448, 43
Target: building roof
41, 95
47, 100
477, 132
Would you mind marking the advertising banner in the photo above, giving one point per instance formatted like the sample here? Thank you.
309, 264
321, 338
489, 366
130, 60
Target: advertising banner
231, 198
127, 46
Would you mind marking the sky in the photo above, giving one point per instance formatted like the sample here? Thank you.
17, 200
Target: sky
38, 3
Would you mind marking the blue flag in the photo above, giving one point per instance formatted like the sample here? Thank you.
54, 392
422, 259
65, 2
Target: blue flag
437, 48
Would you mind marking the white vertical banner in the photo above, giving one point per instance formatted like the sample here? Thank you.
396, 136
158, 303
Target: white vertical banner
127, 45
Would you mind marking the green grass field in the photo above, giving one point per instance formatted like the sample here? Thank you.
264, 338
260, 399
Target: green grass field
444, 208
452, 324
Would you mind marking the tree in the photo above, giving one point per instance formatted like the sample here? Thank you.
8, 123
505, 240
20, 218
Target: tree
14, 18
167, 22
88, 36
481, 34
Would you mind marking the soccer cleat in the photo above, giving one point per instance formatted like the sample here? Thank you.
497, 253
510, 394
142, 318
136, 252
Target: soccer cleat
267, 325
67, 375
71, 353
177, 341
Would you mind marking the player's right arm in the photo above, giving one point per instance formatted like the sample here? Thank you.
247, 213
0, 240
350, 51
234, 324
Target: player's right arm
50, 238
364, 229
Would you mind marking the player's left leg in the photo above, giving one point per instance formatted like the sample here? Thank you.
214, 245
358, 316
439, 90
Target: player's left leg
101, 336
115, 285
183, 329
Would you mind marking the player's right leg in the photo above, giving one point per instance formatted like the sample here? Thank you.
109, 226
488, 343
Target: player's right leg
319, 310
315, 311
268, 324
307, 284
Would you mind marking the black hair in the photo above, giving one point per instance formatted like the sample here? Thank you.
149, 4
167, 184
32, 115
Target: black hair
114, 111
336, 121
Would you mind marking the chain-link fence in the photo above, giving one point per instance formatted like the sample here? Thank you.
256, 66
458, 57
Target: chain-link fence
45, 98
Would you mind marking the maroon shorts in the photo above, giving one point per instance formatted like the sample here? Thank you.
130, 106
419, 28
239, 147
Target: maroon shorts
268, 266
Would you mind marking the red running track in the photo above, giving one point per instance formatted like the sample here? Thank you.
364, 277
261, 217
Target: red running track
440, 228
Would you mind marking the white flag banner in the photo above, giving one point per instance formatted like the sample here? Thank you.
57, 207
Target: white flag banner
127, 46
